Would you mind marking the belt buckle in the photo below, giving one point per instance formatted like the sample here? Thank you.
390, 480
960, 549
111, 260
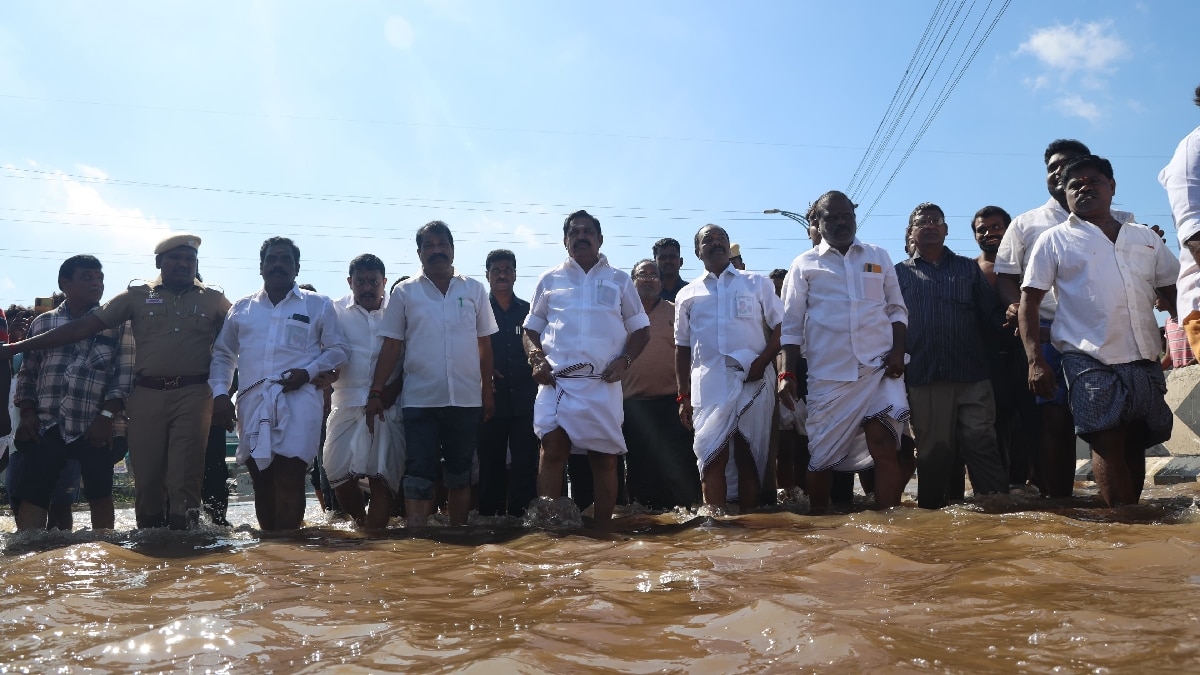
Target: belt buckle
173, 382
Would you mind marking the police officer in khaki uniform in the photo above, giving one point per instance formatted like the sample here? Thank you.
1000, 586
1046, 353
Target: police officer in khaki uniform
175, 320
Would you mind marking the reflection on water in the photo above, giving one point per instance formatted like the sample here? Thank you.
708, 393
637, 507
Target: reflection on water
1009, 584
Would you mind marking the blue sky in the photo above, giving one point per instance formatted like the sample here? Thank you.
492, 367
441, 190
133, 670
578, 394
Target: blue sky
348, 125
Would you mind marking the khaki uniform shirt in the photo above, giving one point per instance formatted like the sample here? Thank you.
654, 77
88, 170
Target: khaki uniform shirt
174, 334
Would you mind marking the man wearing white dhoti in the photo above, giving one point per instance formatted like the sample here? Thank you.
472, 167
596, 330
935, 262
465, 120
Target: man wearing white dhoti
843, 305
724, 368
352, 452
585, 326
279, 339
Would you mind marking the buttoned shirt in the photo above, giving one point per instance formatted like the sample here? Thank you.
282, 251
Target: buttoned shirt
652, 373
263, 340
174, 332
721, 318
1105, 290
363, 342
951, 310
515, 389
1181, 179
441, 340
840, 308
70, 383
585, 317
1023, 232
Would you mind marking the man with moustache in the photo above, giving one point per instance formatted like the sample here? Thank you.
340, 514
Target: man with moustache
279, 340
68, 397
668, 259
585, 327
843, 304
351, 451
661, 466
175, 319
1181, 179
1057, 444
438, 324
1106, 274
951, 310
508, 490
724, 367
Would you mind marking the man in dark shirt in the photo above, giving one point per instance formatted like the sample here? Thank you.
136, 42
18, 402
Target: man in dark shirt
511, 427
666, 256
950, 307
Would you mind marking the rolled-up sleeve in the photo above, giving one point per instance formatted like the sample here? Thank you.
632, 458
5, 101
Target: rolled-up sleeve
538, 308
335, 351
393, 322
633, 314
1166, 265
485, 319
1043, 265
224, 357
896, 310
795, 306
683, 320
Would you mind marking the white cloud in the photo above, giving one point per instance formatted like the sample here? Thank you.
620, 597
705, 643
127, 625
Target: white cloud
92, 172
1075, 106
399, 32
1076, 58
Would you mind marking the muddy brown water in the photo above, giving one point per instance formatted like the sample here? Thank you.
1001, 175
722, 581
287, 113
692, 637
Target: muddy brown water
1012, 584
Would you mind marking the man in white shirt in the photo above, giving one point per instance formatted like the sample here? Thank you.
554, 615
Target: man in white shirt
843, 305
352, 452
1056, 466
586, 325
1181, 179
1106, 275
278, 339
724, 370
438, 324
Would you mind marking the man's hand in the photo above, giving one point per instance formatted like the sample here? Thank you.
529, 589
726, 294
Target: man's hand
757, 368
685, 414
326, 379
1010, 316
542, 373
28, 427
894, 363
1041, 379
616, 368
786, 392
496, 375
223, 414
1159, 231
293, 379
99, 433
489, 406
374, 409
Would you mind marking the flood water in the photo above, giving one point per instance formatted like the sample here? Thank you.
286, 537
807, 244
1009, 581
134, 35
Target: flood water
1013, 584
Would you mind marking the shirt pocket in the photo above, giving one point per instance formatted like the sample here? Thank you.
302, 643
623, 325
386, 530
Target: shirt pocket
957, 290
608, 294
745, 306
872, 286
296, 333
467, 312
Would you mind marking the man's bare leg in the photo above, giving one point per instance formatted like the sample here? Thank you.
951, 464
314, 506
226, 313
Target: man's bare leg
264, 494
30, 516
1135, 459
291, 474
888, 477
61, 517
1109, 466
820, 483
1058, 450
104, 515
458, 505
556, 448
350, 498
713, 481
380, 511
604, 482
419, 511
748, 483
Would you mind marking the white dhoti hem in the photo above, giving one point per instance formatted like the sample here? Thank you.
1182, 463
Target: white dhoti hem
589, 410
747, 412
838, 410
353, 452
271, 422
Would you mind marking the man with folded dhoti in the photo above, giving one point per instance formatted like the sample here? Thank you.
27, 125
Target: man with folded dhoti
843, 305
278, 339
1106, 273
586, 325
352, 452
724, 370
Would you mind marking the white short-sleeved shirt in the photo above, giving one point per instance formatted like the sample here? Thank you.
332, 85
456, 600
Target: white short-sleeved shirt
841, 308
724, 317
361, 329
1023, 232
262, 340
1105, 290
441, 340
585, 317
1181, 179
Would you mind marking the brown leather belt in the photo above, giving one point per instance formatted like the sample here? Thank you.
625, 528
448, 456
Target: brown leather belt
169, 383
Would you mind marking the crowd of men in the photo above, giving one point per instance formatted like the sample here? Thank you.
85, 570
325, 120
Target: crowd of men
633, 386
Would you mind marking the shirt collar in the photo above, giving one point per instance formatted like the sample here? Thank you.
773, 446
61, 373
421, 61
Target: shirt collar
158, 283
824, 246
729, 269
602, 261
946, 254
1120, 216
349, 303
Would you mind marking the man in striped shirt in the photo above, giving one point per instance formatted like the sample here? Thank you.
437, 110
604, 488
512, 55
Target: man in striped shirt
951, 308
